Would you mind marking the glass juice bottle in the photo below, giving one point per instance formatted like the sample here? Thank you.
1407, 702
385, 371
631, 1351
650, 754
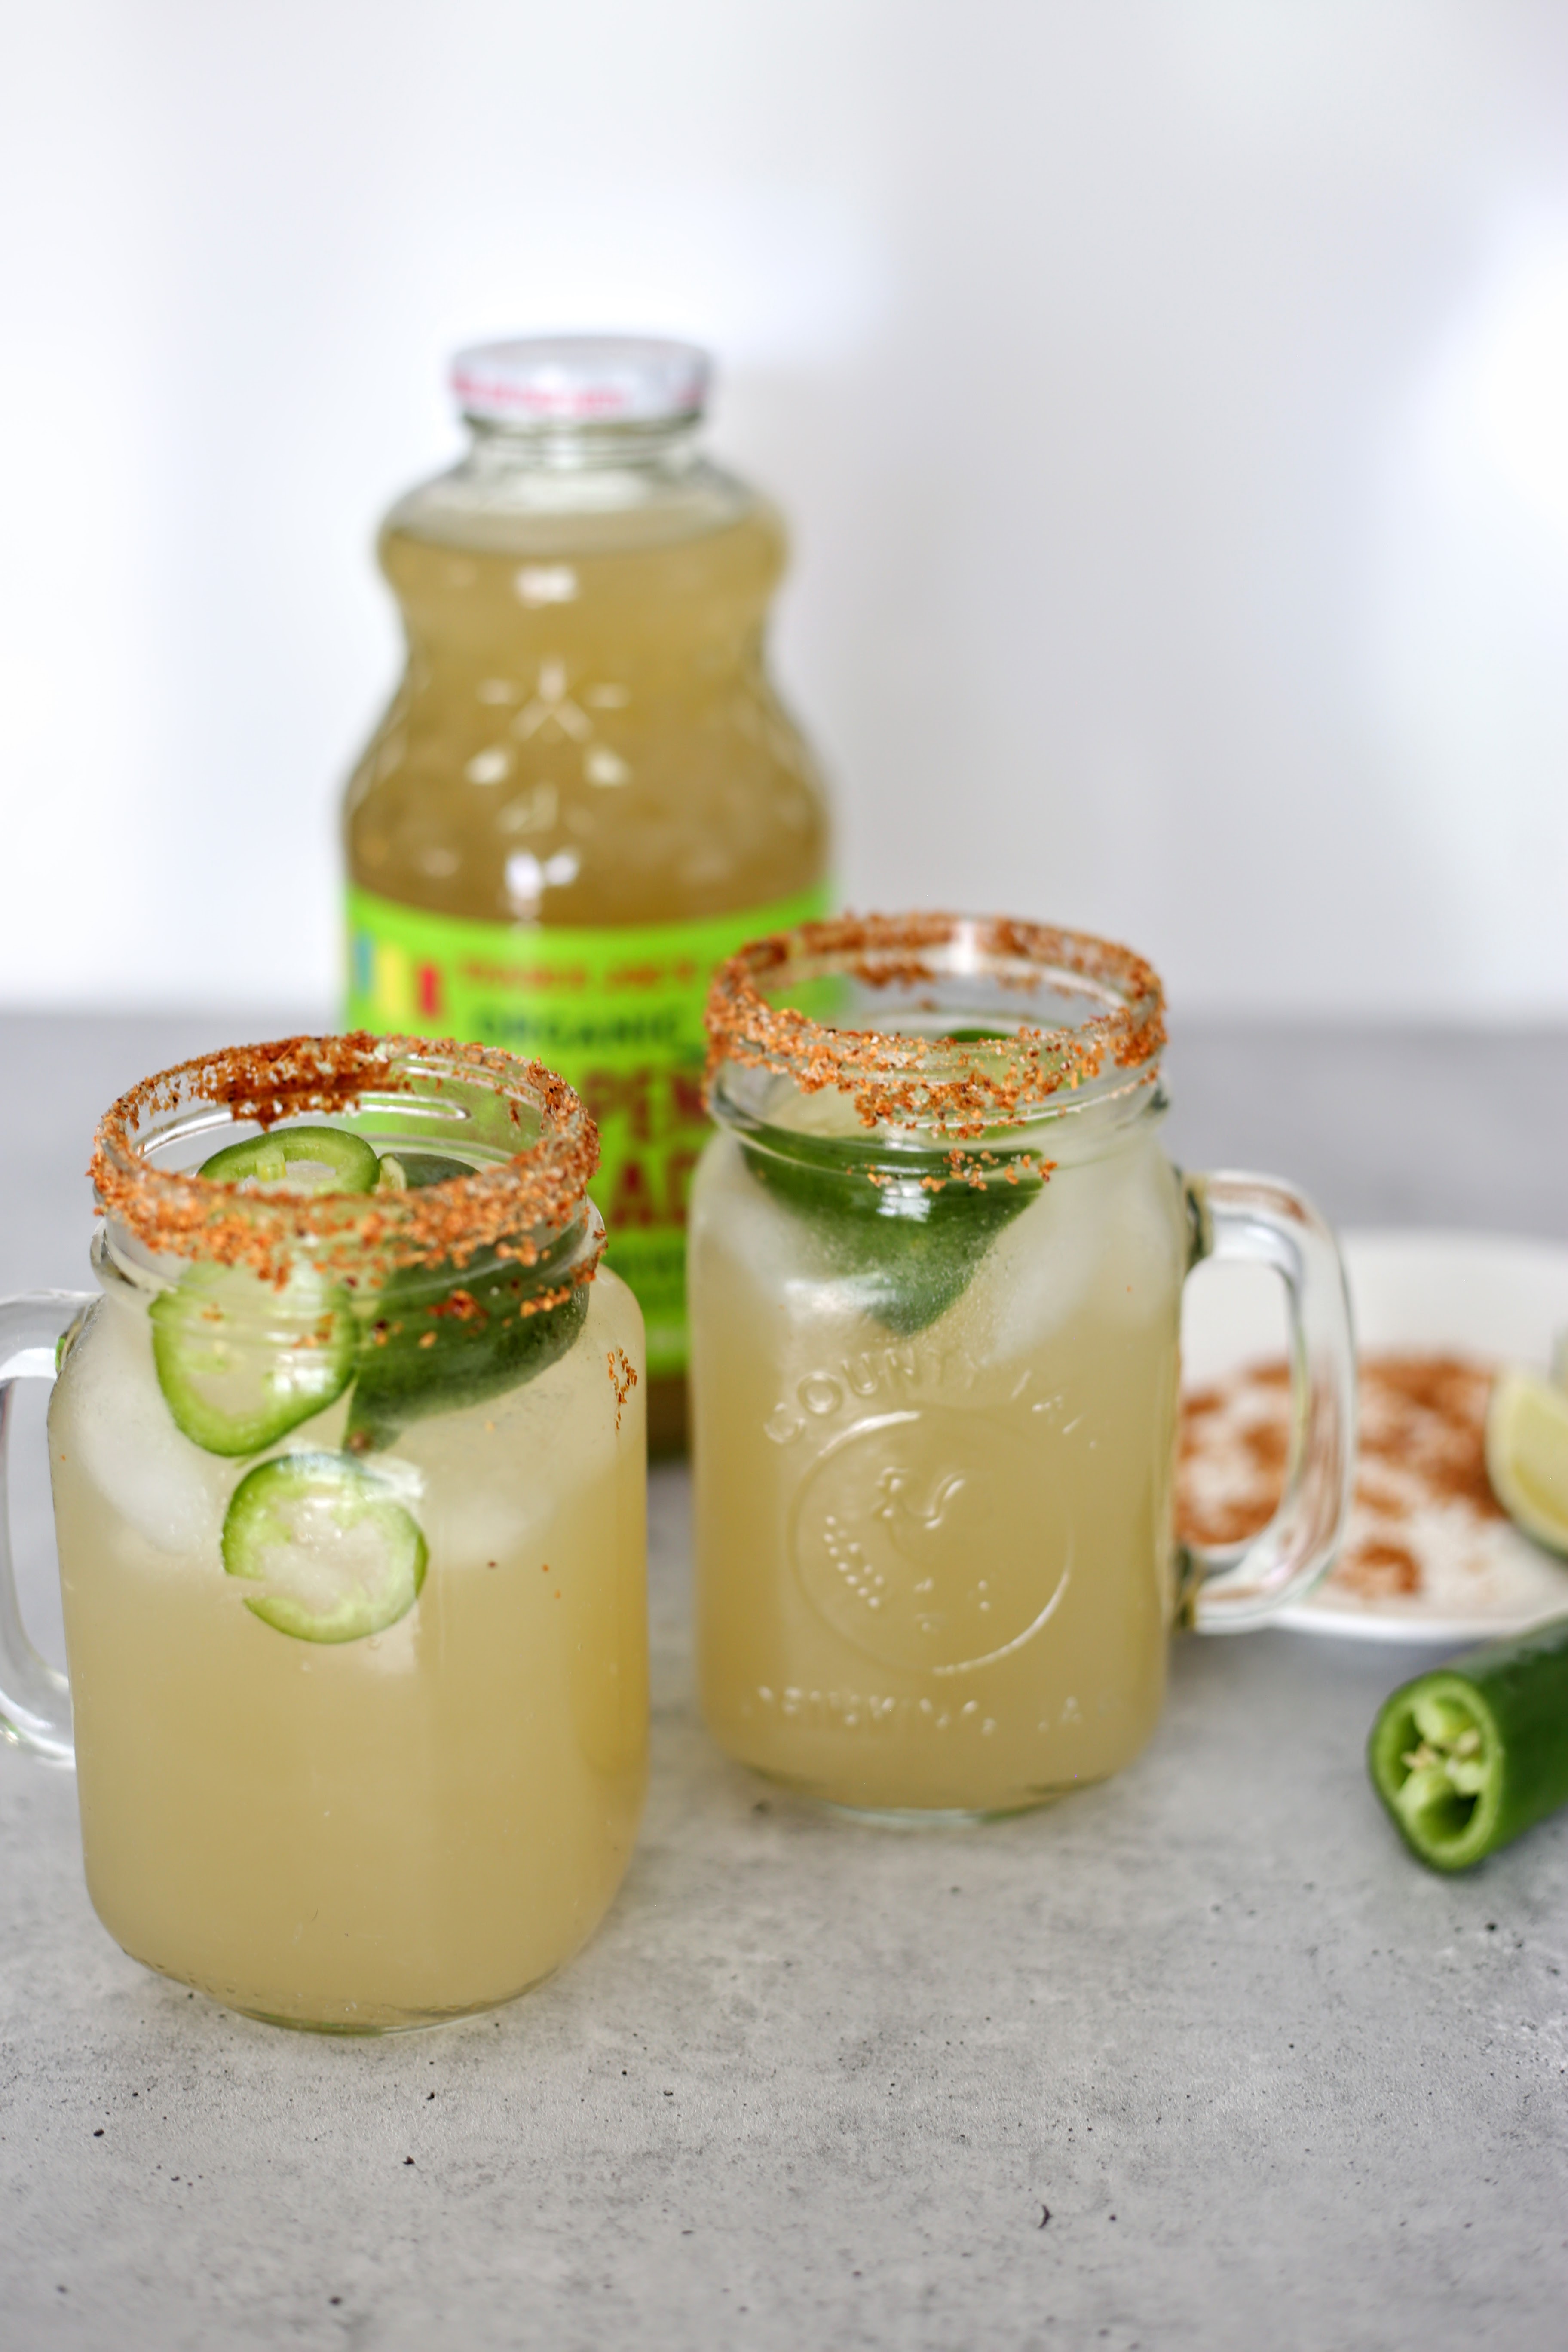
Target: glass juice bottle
585, 793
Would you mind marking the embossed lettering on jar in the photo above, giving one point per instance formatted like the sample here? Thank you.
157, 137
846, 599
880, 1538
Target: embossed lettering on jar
937, 1255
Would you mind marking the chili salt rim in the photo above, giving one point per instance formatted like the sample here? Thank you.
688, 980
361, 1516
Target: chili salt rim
903, 1080
178, 1214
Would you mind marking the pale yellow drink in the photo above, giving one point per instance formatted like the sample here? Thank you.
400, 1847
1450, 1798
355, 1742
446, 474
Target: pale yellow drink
937, 1257
348, 1466
935, 1572
373, 1832
625, 736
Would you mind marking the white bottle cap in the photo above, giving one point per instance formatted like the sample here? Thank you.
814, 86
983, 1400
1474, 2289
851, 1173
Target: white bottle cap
581, 379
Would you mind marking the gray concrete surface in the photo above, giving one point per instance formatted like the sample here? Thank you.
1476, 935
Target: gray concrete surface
816, 2085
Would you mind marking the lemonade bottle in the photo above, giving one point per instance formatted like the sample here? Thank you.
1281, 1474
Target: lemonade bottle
585, 793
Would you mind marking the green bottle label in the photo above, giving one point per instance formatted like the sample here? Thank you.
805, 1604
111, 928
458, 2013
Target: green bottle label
617, 1013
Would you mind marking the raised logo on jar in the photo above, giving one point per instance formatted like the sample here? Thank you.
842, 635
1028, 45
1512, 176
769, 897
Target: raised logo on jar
923, 1537
896, 1375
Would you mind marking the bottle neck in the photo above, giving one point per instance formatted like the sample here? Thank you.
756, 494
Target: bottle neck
561, 446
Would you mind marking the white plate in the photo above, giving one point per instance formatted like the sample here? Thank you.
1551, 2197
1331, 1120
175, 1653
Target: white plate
1471, 1294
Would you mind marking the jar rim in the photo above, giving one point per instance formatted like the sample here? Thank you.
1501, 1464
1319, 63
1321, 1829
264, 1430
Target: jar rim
504, 1208
947, 1085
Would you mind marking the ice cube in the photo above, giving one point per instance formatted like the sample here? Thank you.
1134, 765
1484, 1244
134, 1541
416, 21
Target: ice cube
1040, 1268
1103, 1238
116, 1429
493, 1474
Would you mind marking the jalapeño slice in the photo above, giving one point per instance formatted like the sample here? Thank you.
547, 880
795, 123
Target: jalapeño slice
347, 1162
240, 1364
338, 1555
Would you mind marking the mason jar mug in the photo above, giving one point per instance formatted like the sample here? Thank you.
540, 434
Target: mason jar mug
936, 1265
348, 1467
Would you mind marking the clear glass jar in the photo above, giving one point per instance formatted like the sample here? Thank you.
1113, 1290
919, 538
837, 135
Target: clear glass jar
585, 793
349, 1492
937, 1257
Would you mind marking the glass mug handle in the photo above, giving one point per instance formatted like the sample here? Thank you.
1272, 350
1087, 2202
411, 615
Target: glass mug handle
1267, 1222
35, 1697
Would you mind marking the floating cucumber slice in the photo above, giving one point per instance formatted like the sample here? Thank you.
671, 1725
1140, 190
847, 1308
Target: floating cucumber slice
435, 1349
909, 1251
349, 1161
240, 1364
340, 1556
405, 1171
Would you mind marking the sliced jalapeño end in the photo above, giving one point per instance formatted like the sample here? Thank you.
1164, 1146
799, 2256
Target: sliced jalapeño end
338, 1555
1435, 1762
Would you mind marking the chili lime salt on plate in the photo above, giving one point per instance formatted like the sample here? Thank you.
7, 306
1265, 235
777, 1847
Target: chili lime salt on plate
1427, 1538
1429, 1554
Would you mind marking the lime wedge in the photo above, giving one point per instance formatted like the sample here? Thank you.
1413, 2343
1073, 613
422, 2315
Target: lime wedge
909, 1244
1527, 1456
441, 1339
338, 1555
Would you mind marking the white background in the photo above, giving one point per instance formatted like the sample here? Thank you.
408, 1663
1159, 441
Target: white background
1170, 401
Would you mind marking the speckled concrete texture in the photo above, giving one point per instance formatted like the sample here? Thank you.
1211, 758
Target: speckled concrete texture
816, 2084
